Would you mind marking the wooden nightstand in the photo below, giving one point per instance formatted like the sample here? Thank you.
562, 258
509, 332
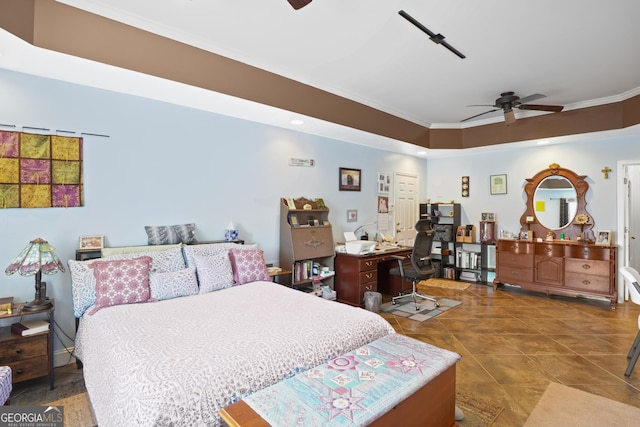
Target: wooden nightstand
28, 356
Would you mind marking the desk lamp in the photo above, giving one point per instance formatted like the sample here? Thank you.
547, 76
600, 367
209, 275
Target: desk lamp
36, 258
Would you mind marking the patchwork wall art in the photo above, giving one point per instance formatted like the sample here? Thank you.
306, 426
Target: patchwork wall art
40, 171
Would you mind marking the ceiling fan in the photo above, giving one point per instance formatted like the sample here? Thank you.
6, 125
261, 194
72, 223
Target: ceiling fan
508, 101
298, 4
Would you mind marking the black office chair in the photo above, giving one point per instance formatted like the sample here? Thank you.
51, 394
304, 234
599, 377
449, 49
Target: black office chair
421, 267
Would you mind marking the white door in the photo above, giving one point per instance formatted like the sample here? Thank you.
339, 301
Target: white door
628, 239
406, 207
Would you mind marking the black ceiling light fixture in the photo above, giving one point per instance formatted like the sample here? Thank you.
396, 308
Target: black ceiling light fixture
436, 38
508, 101
298, 4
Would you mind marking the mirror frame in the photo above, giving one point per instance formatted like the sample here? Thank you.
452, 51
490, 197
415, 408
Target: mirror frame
571, 230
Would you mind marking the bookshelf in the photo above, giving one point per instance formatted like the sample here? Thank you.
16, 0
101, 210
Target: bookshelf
306, 242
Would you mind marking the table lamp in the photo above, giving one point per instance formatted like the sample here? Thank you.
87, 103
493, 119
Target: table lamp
36, 258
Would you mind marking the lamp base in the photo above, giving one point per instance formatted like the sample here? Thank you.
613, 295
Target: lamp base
37, 305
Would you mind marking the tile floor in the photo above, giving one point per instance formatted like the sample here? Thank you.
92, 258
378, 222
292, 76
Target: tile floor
513, 343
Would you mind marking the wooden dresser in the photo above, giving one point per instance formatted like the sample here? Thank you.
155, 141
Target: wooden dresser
559, 267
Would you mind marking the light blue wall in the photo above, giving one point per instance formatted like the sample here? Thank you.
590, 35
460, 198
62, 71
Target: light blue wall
584, 158
165, 164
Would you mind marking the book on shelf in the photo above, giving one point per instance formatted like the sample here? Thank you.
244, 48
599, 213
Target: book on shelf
30, 327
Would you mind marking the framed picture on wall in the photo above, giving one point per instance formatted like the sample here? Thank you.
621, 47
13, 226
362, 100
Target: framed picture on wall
498, 184
349, 179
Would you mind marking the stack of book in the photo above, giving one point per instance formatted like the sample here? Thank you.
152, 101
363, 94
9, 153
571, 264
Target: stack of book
30, 327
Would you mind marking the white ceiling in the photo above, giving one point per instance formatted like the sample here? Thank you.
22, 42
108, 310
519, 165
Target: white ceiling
576, 52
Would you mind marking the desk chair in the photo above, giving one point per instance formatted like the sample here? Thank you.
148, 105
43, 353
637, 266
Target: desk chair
633, 279
421, 267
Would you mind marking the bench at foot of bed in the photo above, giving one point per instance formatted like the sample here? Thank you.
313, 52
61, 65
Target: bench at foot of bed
394, 380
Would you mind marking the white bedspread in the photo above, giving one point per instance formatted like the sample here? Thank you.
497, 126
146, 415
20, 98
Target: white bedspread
177, 362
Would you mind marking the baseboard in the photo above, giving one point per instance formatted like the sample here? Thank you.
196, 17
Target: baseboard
63, 357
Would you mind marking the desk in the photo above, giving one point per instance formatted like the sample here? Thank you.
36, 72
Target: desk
357, 274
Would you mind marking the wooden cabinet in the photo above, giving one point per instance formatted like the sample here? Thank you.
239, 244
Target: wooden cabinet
558, 267
28, 356
306, 242
357, 274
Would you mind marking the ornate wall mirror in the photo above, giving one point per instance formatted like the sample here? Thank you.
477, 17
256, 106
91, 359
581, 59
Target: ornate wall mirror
556, 203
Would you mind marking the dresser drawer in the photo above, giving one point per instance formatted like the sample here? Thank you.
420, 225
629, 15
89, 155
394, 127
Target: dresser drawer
580, 266
515, 246
515, 273
585, 282
30, 368
24, 348
515, 260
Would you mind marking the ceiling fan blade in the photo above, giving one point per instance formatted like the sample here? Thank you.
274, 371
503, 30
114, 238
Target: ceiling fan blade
436, 38
298, 4
509, 117
478, 115
530, 98
552, 108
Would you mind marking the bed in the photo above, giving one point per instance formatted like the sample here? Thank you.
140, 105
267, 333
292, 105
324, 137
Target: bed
177, 361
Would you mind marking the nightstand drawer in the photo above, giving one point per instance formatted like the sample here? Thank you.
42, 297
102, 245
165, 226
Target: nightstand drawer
24, 348
32, 368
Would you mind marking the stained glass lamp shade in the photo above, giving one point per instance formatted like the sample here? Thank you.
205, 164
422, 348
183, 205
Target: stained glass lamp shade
36, 258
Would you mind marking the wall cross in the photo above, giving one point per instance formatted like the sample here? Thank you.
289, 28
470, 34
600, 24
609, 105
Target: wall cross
606, 171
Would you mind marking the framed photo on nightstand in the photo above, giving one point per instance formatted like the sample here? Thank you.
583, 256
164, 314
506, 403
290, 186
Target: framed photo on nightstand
91, 242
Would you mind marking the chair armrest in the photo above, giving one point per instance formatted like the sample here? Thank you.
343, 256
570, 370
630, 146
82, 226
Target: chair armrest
400, 260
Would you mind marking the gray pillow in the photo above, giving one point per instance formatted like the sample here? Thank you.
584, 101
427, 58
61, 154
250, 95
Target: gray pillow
171, 234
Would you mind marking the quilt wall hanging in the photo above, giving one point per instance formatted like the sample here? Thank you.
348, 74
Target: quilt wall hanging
40, 171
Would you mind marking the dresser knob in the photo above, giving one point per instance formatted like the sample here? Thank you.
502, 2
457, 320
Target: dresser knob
369, 275
19, 371
586, 266
18, 350
586, 282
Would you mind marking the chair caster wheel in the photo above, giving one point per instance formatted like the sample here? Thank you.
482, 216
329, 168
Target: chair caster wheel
437, 304
417, 308
393, 302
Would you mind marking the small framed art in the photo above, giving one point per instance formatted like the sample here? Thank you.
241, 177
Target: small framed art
352, 215
91, 242
604, 238
498, 184
349, 179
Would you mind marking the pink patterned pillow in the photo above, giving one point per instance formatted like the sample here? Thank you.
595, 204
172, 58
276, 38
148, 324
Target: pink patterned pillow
121, 281
248, 265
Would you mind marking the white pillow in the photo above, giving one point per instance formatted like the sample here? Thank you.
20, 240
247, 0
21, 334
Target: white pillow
173, 284
214, 272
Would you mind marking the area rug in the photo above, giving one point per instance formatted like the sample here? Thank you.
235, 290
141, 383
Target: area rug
41, 395
77, 411
566, 406
428, 310
444, 283
478, 412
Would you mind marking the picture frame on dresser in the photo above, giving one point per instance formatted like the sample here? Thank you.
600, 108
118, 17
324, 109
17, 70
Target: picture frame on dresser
604, 238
